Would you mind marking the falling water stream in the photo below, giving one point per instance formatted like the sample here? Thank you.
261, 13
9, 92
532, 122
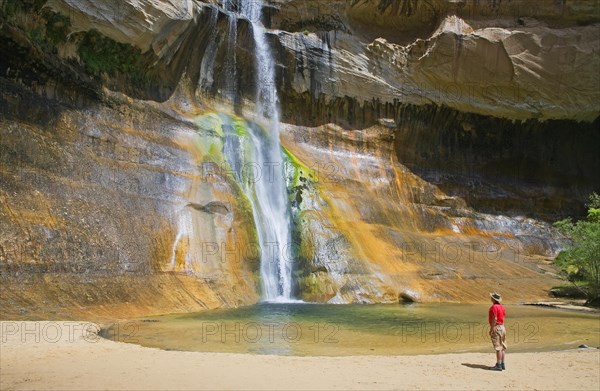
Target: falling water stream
231, 61
265, 187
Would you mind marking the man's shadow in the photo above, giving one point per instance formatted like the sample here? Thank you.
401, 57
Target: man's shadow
477, 366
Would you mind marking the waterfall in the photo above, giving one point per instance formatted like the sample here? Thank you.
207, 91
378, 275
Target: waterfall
266, 187
231, 64
208, 61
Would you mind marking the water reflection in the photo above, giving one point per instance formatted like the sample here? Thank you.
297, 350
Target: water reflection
339, 330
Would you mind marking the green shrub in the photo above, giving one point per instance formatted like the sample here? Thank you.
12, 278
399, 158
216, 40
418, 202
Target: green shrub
101, 54
57, 27
581, 260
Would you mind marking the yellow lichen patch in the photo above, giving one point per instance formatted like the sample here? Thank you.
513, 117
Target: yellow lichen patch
182, 248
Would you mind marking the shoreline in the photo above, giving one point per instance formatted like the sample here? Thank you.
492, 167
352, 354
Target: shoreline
565, 305
69, 355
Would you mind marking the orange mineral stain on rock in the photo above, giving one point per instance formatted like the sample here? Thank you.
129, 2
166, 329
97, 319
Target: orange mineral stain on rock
404, 234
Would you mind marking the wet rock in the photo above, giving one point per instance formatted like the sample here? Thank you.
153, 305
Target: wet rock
407, 297
388, 123
211, 207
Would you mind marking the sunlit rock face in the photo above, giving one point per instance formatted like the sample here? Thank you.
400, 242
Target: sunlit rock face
428, 141
148, 24
481, 58
107, 212
370, 230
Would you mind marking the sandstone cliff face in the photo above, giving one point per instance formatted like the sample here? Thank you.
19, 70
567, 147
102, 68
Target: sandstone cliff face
515, 73
509, 103
404, 21
521, 68
149, 25
105, 212
416, 115
370, 230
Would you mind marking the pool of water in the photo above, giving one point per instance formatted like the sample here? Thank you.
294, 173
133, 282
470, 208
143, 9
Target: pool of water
341, 330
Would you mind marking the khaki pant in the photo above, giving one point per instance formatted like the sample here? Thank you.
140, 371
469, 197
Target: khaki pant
498, 335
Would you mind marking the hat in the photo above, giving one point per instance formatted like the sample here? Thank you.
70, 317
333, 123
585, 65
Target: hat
496, 296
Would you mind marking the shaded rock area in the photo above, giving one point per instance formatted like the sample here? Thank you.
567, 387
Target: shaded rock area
538, 169
404, 21
427, 139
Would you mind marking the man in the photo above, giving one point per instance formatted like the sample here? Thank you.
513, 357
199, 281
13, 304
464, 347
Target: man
497, 330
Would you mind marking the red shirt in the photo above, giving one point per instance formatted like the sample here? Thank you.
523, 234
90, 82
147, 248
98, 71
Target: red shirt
496, 310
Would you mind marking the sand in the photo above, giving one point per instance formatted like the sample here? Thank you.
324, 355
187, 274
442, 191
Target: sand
64, 356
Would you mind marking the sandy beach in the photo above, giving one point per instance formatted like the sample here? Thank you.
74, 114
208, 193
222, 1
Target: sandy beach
70, 356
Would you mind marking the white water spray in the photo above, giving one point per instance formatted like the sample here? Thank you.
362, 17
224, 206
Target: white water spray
231, 61
207, 65
266, 188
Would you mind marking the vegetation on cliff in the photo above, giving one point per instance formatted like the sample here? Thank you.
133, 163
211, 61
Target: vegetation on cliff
102, 55
43, 35
44, 28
